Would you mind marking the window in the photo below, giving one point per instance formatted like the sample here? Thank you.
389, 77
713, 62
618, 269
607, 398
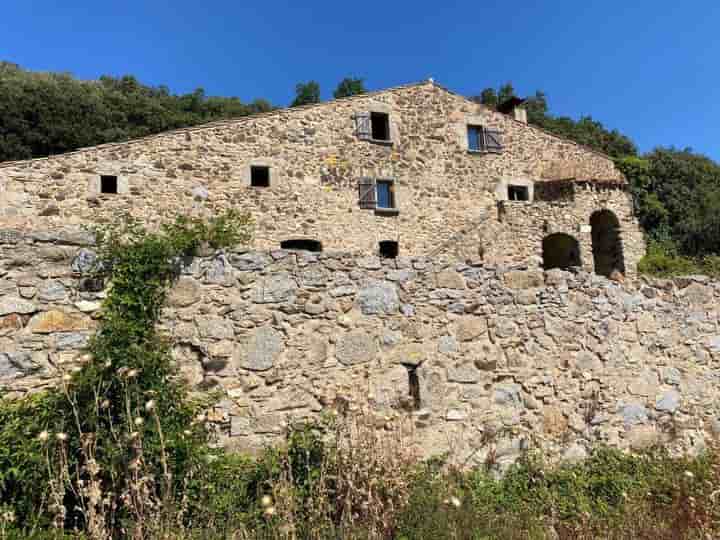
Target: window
482, 139
518, 193
108, 184
385, 194
304, 244
259, 176
413, 388
380, 125
389, 249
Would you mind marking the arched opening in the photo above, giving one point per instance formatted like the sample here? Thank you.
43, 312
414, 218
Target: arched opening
606, 243
560, 251
304, 244
389, 249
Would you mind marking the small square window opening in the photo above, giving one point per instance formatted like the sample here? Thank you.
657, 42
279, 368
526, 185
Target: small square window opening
108, 184
518, 193
259, 176
385, 194
380, 125
475, 141
389, 249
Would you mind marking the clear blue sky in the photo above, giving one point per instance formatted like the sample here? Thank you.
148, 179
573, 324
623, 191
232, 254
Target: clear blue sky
650, 68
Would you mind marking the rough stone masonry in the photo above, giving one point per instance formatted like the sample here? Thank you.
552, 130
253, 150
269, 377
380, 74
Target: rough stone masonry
504, 357
417, 166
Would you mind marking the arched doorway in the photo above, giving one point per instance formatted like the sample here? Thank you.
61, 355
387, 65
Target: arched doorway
606, 243
560, 251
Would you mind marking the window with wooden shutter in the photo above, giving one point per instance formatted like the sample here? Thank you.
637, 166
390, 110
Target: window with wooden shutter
366, 193
493, 141
363, 126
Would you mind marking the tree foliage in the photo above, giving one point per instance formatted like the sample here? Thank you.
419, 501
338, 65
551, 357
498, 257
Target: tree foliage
306, 93
349, 86
49, 113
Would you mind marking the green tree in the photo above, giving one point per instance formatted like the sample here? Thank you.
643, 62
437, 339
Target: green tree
349, 86
487, 97
306, 93
506, 92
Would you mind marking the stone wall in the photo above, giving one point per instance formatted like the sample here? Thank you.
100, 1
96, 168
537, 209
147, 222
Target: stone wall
504, 357
316, 161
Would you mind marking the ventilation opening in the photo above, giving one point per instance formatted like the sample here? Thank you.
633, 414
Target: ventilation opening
380, 124
518, 193
302, 244
413, 388
607, 246
560, 251
108, 184
389, 249
259, 176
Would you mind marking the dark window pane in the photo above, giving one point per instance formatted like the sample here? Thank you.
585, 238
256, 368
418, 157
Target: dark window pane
518, 193
108, 184
384, 195
259, 176
380, 126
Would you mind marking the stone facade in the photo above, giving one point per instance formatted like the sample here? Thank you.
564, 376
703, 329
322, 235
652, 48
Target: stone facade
504, 357
448, 199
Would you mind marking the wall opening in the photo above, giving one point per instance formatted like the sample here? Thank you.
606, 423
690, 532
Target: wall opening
607, 246
304, 244
389, 249
108, 184
380, 126
560, 251
518, 193
413, 387
259, 176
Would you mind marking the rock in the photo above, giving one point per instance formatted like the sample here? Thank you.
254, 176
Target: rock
507, 394
52, 321
70, 238
486, 355
554, 421
344, 290
455, 415
633, 414
586, 361
52, 291
378, 298
463, 373
186, 292
369, 263
412, 354
275, 289
471, 327
13, 304
84, 261
215, 327
697, 294
668, 401
505, 327
449, 279
10, 323
315, 305
250, 261
575, 454
71, 340
200, 193
671, 375
643, 437
260, 350
14, 364
219, 271
87, 306
447, 345
524, 279
355, 347
51, 209
645, 384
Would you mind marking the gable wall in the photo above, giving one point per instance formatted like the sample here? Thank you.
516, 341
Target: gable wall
316, 161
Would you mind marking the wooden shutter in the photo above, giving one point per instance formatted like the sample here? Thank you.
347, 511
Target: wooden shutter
366, 193
493, 141
363, 126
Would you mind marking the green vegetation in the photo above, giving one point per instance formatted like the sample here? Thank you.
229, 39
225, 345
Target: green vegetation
306, 94
349, 86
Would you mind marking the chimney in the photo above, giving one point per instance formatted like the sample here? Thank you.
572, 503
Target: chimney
514, 106
520, 114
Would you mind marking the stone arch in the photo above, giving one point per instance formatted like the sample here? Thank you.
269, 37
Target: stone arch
607, 245
560, 250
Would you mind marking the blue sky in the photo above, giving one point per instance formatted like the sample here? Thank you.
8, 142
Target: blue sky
648, 68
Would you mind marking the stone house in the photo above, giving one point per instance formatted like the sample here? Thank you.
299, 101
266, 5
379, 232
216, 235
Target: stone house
411, 170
